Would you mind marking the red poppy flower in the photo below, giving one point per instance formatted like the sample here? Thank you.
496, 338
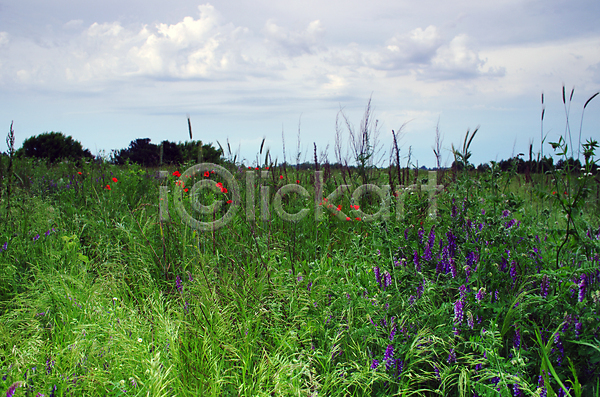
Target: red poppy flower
107, 187
554, 192
229, 201
249, 168
348, 218
297, 181
224, 190
356, 207
256, 168
177, 174
280, 176
79, 172
206, 174
219, 185
358, 219
267, 168
339, 207
115, 180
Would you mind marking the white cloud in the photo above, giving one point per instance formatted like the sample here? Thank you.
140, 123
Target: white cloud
293, 43
3, 38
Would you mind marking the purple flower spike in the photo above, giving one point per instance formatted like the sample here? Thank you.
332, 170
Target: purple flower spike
458, 312
388, 356
375, 364
582, 286
377, 275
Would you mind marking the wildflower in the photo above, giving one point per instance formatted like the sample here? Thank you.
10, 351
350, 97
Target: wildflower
249, 168
297, 181
480, 294
582, 285
387, 279
79, 173
47, 233
177, 174
458, 311
375, 364
185, 190
348, 218
229, 201
107, 187
178, 284
37, 236
206, 174
416, 261
505, 213
256, 168
451, 357
280, 176
339, 207
115, 180
377, 275
388, 356
554, 192
11, 390
139, 340
437, 373
358, 219
356, 207
470, 320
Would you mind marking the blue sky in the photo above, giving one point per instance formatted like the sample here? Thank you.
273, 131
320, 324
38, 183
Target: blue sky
112, 71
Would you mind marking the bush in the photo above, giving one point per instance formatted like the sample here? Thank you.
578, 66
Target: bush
53, 146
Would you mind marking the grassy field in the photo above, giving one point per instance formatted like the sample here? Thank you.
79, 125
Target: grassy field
486, 286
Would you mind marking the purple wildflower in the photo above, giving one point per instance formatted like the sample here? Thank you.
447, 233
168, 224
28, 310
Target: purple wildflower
5, 246
470, 321
505, 213
517, 339
387, 279
582, 286
388, 357
452, 357
578, 327
480, 294
437, 372
47, 233
458, 312
37, 236
513, 272
544, 286
452, 268
377, 275
375, 364
11, 390
463, 292
178, 284
416, 262
309, 286
420, 233
431, 240
393, 332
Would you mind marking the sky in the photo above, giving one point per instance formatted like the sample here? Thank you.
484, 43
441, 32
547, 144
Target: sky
108, 72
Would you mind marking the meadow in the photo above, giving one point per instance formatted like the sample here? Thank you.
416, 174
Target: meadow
467, 284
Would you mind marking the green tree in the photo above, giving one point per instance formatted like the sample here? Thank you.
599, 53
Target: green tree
53, 146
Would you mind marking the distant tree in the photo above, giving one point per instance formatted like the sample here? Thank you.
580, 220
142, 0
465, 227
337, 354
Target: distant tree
171, 153
147, 154
53, 146
140, 151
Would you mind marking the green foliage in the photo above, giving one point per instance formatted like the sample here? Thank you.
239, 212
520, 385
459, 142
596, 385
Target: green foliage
141, 151
53, 147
